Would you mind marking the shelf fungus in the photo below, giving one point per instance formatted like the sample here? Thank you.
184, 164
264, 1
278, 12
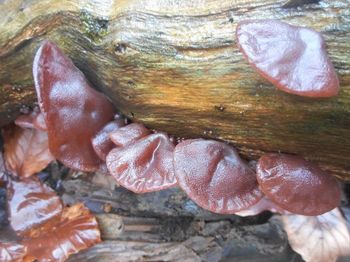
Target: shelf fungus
215, 177
73, 111
145, 165
297, 185
293, 58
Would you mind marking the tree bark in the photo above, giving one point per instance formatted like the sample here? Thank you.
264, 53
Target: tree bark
175, 66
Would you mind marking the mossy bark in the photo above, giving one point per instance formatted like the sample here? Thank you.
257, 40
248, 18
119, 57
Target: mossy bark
175, 66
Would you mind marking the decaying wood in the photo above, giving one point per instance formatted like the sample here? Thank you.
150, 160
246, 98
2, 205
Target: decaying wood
166, 233
175, 66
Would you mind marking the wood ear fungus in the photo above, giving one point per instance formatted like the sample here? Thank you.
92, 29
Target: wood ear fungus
128, 134
293, 58
145, 165
297, 185
101, 142
214, 176
73, 111
31, 203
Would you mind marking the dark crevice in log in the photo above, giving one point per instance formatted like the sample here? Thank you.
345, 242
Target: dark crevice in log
297, 3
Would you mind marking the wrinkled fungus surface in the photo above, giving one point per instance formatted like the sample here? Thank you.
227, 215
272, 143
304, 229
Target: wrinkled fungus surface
129, 134
101, 142
214, 176
73, 111
30, 204
297, 185
76, 230
145, 165
293, 58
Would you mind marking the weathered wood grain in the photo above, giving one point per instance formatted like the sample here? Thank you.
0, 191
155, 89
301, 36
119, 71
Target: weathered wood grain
175, 66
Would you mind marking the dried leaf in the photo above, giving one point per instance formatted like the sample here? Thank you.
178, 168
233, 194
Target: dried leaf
31, 204
321, 238
76, 231
11, 252
26, 150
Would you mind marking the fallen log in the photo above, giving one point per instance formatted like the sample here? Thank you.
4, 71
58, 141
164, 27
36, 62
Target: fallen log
167, 226
175, 66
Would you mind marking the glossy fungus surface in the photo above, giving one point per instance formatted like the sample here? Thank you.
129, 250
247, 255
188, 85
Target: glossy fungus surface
74, 112
101, 142
31, 203
214, 176
129, 134
145, 165
297, 185
76, 230
293, 58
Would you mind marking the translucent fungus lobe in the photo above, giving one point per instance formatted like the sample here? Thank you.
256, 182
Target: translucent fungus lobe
293, 58
145, 165
214, 176
73, 111
129, 134
297, 185
101, 142
31, 203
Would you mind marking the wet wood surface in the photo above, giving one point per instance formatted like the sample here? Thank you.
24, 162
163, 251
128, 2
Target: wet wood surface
175, 66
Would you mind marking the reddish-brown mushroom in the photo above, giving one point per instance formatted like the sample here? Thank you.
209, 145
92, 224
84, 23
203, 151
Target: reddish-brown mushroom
293, 58
73, 111
297, 185
145, 165
101, 142
128, 134
30, 204
214, 176
75, 230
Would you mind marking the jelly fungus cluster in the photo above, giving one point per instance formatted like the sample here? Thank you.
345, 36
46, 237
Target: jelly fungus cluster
84, 134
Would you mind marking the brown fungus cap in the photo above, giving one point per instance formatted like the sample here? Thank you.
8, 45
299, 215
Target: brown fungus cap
297, 185
30, 204
145, 165
215, 177
293, 58
75, 230
73, 111
101, 142
128, 134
